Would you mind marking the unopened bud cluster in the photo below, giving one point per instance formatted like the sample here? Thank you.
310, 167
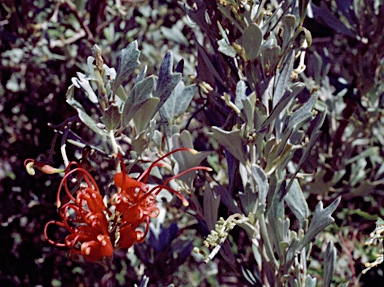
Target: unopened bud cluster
220, 233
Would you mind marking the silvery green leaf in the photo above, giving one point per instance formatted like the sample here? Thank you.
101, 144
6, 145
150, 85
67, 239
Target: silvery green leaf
289, 29
303, 113
83, 83
141, 76
211, 203
253, 277
372, 151
111, 117
318, 121
139, 142
231, 140
321, 219
267, 44
251, 41
144, 114
110, 73
279, 160
139, 94
310, 282
291, 93
120, 92
174, 34
249, 106
167, 80
291, 253
126, 64
91, 69
296, 201
261, 180
178, 102
329, 264
241, 94
282, 79
226, 49
83, 116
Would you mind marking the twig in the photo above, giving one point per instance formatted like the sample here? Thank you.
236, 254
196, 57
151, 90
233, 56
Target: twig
348, 249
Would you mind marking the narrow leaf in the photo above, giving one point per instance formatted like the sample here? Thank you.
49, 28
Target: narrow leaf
282, 79
323, 15
211, 204
241, 94
261, 180
283, 103
329, 264
296, 201
303, 113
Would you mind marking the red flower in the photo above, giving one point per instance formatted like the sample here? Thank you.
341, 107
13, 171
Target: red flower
85, 218
136, 201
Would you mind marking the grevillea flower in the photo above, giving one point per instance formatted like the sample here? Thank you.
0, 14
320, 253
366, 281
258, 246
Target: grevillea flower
136, 201
30, 164
84, 217
92, 226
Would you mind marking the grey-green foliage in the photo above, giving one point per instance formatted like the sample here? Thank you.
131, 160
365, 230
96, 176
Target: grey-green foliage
104, 87
272, 124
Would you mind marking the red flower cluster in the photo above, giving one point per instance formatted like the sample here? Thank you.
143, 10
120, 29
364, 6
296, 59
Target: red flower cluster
93, 227
85, 217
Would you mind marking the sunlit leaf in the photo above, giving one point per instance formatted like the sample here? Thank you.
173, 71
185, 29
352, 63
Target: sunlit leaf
167, 80
321, 219
178, 102
126, 64
296, 201
303, 113
226, 48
